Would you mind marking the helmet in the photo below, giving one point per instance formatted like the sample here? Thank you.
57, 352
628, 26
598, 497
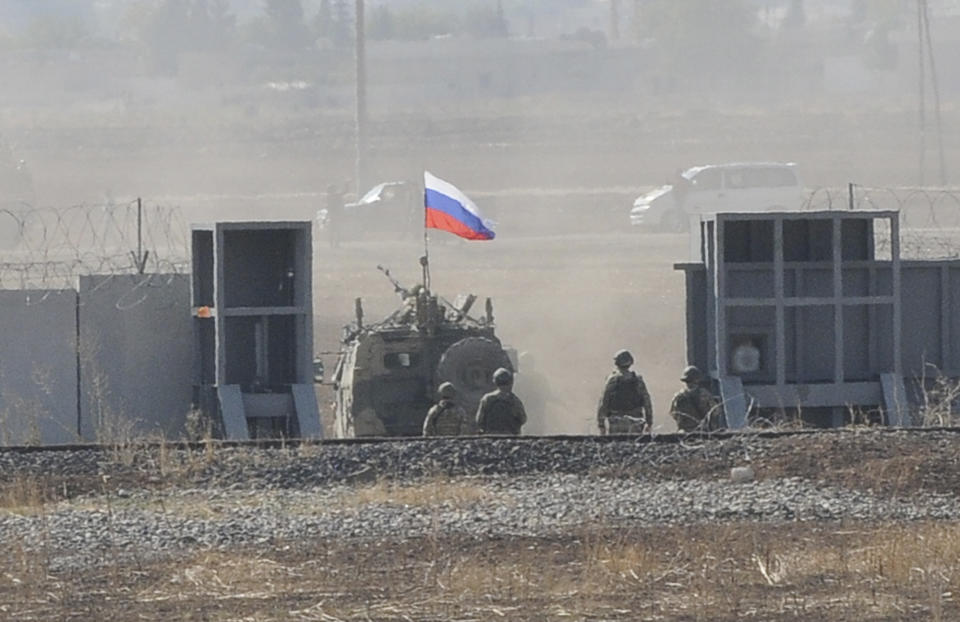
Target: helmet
623, 358
691, 374
502, 377
447, 391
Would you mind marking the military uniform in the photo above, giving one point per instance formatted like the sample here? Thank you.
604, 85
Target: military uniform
695, 408
625, 407
500, 412
448, 419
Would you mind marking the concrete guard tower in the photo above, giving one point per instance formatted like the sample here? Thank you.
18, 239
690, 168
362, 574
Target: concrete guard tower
794, 311
253, 328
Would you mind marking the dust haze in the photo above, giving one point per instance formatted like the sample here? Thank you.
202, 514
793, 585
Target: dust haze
553, 115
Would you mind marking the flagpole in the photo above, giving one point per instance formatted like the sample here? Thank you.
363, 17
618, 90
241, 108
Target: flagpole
425, 260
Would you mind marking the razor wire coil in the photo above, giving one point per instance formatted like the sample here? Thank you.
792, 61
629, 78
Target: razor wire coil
929, 217
47, 249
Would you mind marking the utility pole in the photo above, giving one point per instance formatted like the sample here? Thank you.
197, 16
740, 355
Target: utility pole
360, 56
925, 56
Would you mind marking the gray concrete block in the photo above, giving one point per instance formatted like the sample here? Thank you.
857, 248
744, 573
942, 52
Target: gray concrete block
136, 355
38, 367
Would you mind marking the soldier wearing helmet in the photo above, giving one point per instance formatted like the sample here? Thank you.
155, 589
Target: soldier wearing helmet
625, 407
694, 408
414, 306
447, 418
501, 411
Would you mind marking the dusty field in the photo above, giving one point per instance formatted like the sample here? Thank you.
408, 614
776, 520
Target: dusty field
571, 301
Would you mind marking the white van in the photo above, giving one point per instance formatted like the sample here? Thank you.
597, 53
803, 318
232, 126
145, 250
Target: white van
737, 187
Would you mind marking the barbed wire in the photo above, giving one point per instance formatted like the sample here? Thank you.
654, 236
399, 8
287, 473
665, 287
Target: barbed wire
47, 248
929, 217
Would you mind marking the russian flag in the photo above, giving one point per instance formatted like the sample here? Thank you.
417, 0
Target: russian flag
448, 209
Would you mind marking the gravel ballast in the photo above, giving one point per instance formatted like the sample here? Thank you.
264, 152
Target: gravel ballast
474, 487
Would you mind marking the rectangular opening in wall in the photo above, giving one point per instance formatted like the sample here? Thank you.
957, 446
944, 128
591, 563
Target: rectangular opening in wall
281, 351
883, 240
808, 239
202, 247
856, 236
259, 267
751, 342
750, 356
261, 352
748, 241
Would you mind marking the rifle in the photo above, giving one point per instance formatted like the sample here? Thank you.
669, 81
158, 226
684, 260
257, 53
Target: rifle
397, 288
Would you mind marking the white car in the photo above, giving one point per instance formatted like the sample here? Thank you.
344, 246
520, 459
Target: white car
394, 207
736, 187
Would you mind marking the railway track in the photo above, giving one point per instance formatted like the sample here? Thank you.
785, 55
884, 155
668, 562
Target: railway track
646, 439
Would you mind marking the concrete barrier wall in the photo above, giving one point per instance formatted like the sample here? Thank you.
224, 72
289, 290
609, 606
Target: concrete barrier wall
135, 355
38, 367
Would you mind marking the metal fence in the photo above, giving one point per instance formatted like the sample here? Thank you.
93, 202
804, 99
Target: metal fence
48, 248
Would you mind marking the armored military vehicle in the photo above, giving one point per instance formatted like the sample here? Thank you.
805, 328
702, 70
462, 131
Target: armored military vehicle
388, 372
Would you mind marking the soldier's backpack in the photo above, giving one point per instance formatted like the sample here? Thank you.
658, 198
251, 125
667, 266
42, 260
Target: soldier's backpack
626, 393
449, 419
499, 417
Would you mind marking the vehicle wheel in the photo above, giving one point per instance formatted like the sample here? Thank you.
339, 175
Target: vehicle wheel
469, 364
673, 221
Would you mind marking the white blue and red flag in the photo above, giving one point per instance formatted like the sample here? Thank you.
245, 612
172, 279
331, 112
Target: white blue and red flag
448, 209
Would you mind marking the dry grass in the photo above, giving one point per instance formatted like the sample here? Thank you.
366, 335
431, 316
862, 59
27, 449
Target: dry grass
940, 396
26, 495
786, 572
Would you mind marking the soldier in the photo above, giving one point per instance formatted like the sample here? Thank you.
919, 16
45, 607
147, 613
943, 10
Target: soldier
501, 411
694, 408
625, 407
447, 418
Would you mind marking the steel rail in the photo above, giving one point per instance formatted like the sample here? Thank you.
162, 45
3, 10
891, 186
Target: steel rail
643, 439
